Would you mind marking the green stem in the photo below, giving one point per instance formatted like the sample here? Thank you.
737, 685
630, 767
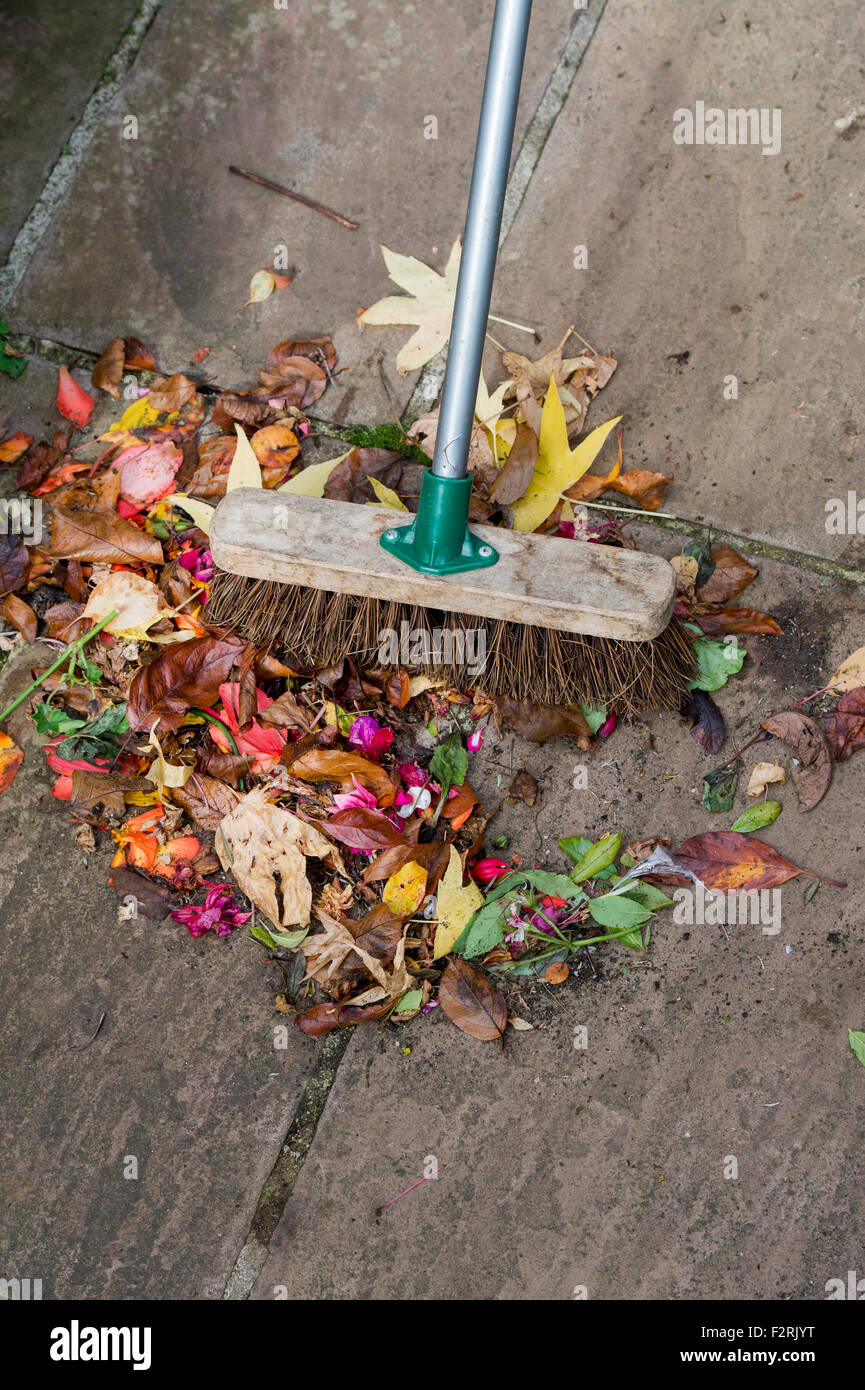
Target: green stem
212, 719
70, 651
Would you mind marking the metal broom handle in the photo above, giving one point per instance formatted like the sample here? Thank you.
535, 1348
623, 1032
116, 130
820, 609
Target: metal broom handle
481, 241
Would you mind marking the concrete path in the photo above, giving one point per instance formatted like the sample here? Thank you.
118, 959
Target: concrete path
260, 1167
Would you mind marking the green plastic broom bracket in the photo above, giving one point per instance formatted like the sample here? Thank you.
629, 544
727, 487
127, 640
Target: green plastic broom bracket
438, 540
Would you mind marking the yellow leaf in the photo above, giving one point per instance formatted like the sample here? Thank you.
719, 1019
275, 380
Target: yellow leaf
850, 674
245, 470
309, 482
558, 466
201, 512
166, 774
456, 905
429, 304
386, 495
136, 416
404, 891
261, 286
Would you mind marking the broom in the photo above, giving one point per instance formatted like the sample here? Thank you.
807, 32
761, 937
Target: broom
512, 613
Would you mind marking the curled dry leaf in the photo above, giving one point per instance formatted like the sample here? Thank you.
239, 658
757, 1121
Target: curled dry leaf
206, 800
845, 726
108, 371
812, 763
707, 721
265, 848
524, 787
323, 1018
850, 674
762, 775
536, 722
472, 1001
332, 765
14, 562
171, 393
736, 620
11, 758
138, 603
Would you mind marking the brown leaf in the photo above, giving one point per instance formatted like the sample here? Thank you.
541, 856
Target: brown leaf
730, 576
152, 900
524, 787
92, 789
286, 713
349, 481
265, 847
643, 486
812, 765
397, 688
14, 562
536, 722
205, 800
21, 616
64, 620
472, 1002
12, 448
225, 767
556, 972
36, 464
726, 859
363, 829
434, 856
332, 765
735, 620
183, 675
171, 393
518, 468
323, 1018
138, 357
316, 348
101, 536
845, 726
107, 373
295, 379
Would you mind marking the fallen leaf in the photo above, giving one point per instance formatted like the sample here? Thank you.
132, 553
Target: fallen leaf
428, 304
310, 481
845, 725
730, 576
261, 287
138, 357
201, 513
11, 758
405, 890
726, 860
762, 775
147, 471
472, 1002
151, 900
456, 904
518, 468
265, 847
524, 787
245, 470
707, 721
22, 617
171, 394
579, 379
109, 789
185, 674
536, 722
165, 774
556, 972
98, 535
850, 674
14, 562
386, 496
366, 830
72, 400
332, 765
286, 713
558, 466
323, 1018
137, 600
12, 448
812, 763
719, 788
736, 620
206, 800
107, 373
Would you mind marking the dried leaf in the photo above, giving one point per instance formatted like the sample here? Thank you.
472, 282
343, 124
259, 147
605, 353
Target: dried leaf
558, 466
524, 787
706, 719
472, 1002
730, 576
762, 775
147, 471
850, 674
165, 774
429, 305
518, 468
22, 617
171, 394
245, 470
736, 620
323, 1018
206, 800
14, 562
537, 722
100, 535
556, 972
845, 726
107, 373
151, 900
14, 446
286, 713
72, 400
812, 764
185, 674
332, 765
359, 828
138, 603
265, 847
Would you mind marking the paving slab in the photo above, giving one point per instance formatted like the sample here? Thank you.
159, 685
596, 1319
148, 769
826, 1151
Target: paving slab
156, 238
51, 58
710, 262
186, 1076
605, 1170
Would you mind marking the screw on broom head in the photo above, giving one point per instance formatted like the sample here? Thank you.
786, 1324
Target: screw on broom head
318, 629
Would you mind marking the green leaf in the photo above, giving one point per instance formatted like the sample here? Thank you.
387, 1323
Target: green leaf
757, 816
575, 846
647, 894
289, 941
705, 564
857, 1042
51, 720
484, 930
719, 788
99, 738
449, 763
599, 857
410, 1000
716, 661
595, 716
618, 911
551, 885
811, 890
263, 935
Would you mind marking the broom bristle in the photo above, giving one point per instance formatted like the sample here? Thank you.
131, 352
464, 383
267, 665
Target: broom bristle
318, 629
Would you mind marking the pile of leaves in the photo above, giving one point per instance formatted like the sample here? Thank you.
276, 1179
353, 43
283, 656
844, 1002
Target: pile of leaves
328, 812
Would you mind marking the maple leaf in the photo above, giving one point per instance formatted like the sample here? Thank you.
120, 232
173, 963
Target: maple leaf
428, 304
558, 466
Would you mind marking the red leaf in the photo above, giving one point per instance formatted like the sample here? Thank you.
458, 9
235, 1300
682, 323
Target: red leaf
845, 726
361, 829
72, 400
726, 859
186, 674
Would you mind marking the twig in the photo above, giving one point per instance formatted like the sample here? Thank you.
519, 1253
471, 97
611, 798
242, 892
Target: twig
94, 1034
379, 1210
298, 197
73, 647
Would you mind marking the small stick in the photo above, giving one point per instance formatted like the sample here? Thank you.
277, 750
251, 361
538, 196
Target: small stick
94, 1034
298, 197
384, 1205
